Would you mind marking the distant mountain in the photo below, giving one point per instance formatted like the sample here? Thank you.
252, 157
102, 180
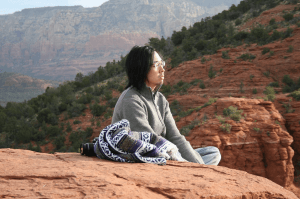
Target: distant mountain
17, 87
56, 43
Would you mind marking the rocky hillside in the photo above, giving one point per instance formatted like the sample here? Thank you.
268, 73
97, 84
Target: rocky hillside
56, 43
241, 99
70, 175
15, 87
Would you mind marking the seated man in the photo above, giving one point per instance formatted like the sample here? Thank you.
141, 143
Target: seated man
148, 110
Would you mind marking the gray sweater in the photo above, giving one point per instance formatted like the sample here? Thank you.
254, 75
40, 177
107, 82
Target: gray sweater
149, 111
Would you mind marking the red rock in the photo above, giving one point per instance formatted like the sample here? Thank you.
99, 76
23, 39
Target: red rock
28, 174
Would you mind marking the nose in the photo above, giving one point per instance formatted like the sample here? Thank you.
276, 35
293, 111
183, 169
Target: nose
162, 68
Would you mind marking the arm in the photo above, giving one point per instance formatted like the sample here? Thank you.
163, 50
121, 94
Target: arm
174, 136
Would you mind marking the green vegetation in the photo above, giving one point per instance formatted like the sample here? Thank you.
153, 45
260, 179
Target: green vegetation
21, 123
271, 53
76, 122
274, 84
265, 50
226, 127
288, 107
291, 49
272, 22
295, 95
290, 84
246, 57
270, 93
241, 87
211, 72
225, 55
288, 16
233, 113
251, 77
254, 91
186, 129
256, 129
267, 74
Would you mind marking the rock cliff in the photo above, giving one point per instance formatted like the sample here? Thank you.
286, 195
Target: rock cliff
27, 174
56, 43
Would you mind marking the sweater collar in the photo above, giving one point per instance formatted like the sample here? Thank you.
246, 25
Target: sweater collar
146, 91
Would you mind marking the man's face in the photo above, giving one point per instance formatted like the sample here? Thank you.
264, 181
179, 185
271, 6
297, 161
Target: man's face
155, 76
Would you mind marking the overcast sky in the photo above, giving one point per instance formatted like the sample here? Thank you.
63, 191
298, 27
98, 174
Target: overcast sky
11, 6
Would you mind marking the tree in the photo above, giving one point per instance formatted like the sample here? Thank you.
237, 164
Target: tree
79, 77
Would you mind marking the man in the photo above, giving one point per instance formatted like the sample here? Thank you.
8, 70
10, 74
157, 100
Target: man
148, 110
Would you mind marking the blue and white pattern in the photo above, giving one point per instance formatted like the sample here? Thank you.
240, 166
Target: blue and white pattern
124, 147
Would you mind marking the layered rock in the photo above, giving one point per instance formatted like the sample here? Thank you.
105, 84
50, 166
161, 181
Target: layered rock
258, 144
58, 42
27, 174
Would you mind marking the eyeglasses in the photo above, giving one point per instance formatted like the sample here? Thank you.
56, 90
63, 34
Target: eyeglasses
158, 64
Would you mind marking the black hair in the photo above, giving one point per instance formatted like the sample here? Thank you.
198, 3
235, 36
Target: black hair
138, 64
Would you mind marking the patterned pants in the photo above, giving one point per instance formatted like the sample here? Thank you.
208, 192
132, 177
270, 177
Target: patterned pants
210, 155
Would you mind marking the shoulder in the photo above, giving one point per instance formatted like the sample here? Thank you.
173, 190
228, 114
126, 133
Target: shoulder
130, 95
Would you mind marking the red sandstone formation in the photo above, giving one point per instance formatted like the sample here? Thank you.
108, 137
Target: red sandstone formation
27, 174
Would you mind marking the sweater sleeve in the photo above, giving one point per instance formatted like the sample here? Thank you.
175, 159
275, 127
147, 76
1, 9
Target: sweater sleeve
174, 136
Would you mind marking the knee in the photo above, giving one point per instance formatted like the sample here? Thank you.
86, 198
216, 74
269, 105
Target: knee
216, 153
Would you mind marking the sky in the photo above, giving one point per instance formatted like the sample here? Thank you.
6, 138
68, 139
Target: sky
11, 6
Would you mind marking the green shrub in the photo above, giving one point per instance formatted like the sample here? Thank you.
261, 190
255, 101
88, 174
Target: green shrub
270, 93
267, 74
53, 131
98, 90
288, 16
272, 22
246, 56
186, 129
112, 102
211, 72
202, 85
241, 87
85, 98
108, 113
166, 90
43, 115
265, 50
88, 90
175, 107
203, 60
271, 53
295, 95
62, 107
233, 113
254, 91
52, 119
108, 95
251, 77
195, 82
98, 110
226, 127
291, 48
238, 22
256, 129
221, 119
288, 107
225, 55
274, 84
59, 142
75, 109
69, 128
76, 122
287, 80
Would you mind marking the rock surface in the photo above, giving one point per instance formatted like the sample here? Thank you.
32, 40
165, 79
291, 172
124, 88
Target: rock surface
56, 43
27, 174
259, 143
